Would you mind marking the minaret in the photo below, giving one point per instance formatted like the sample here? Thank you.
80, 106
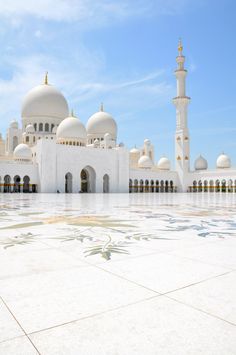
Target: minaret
181, 102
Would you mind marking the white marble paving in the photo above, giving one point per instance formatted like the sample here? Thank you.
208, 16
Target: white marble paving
18, 346
216, 296
158, 326
51, 298
82, 274
9, 328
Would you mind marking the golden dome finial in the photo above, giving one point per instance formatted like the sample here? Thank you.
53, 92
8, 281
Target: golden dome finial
180, 46
72, 113
46, 78
101, 107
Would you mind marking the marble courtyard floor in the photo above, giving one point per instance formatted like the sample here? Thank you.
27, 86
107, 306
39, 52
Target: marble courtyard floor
118, 274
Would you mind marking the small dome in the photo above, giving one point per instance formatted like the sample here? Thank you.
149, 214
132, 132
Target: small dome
145, 162
107, 136
44, 101
134, 151
101, 123
30, 128
163, 164
71, 128
147, 141
14, 124
22, 152
223, 161
200, 163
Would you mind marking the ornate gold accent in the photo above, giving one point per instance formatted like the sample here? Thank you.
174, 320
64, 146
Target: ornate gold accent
186, 138
180, 46
178, 157
178, 138
46, 78
186, 158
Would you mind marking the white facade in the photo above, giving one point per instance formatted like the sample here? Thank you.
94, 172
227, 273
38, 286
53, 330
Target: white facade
55, 152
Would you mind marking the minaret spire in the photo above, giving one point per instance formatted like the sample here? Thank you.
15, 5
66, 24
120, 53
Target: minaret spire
180, 47
46, 78
181, 102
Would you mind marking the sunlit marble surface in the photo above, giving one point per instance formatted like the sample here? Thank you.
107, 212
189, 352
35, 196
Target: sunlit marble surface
118, 274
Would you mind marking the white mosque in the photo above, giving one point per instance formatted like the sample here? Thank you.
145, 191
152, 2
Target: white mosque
55, 152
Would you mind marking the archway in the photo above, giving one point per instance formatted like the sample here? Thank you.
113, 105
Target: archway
166, 186
141, 186
200, 186
152, 185
16, 187
105, 183
88, 179
135, 185
211, 186
26, 184
146, 186
162, 186
217, 186
205, 185
68, 183
7, 183
230, 185
223, 186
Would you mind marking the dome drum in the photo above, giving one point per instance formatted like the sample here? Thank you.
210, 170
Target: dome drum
22, 152
145, 162
200, 163
100, 124
44, 104
71, 131
163, 164
223, 162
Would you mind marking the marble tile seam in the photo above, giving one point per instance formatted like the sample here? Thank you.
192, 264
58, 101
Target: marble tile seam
200, 310
160, 292
12, 314
200, 261
43, 272
197, 283
124, 306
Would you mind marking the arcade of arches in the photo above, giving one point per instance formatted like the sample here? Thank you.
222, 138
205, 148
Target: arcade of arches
16, 184
151, 186
213, 186
87, 181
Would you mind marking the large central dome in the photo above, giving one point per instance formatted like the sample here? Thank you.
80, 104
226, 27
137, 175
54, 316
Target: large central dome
44, 101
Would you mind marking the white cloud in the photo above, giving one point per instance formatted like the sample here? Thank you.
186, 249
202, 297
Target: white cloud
89, 12
84, 89
38, 34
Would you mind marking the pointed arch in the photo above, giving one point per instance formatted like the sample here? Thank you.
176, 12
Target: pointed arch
106, 183
68, 183
88, 179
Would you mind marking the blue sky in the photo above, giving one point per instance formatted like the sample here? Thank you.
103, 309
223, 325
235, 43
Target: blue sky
123, 53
